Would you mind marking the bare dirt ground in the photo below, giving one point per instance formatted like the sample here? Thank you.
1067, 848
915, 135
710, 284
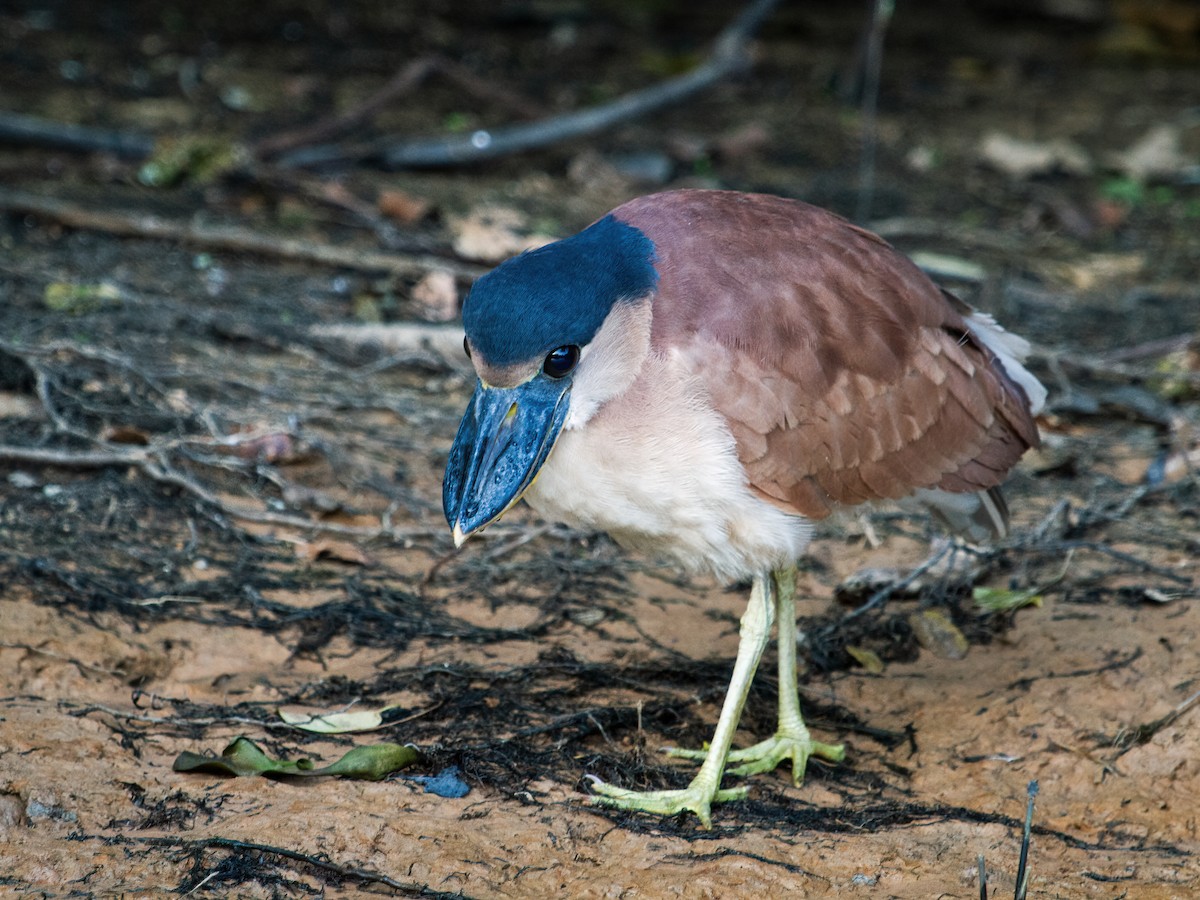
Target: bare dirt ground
214, 506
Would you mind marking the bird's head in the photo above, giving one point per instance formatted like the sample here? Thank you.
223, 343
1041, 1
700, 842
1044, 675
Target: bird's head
552, 334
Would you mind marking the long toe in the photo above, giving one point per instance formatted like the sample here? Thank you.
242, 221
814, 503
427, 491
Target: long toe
766, 755
697, 798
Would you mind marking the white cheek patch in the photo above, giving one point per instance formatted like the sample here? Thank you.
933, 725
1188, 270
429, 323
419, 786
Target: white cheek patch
611, 361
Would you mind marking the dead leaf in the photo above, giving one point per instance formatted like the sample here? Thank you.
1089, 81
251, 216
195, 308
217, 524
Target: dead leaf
310, 498
436, 296
126, 434
493, 233
341, 722
276, 448
1156, 155
18, 406
868, 659
403, 206
1097, 270
936, 633
1024, 159
341, 551
1154, 595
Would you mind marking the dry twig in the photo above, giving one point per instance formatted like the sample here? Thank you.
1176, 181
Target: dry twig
236, 240
730, 54
404, 81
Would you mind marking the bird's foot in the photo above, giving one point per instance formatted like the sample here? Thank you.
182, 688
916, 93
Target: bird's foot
787, 743
698, 798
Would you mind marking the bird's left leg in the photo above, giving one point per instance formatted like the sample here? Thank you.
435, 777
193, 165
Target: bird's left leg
791, 739
705, 788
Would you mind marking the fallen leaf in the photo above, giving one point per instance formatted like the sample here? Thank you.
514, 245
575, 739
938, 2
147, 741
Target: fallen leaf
998, 600
277, 447
18, 406
493, 233
937, 634
1156, 155
244, 757
1023, 159
126, 434
1154, 595
1099, 270
436, 296
403, 206
340, 722
341, 551
868, 659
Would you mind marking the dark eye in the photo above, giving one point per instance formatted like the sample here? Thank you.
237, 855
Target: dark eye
466, 347
561, 361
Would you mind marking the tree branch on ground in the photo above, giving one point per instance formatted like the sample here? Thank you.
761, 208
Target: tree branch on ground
729, 56
237, 240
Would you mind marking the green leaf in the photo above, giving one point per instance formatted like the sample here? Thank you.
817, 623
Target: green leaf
868, 659
244, 757
78, 299
372, 763
998, 600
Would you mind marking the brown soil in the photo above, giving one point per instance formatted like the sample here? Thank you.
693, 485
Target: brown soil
139, 619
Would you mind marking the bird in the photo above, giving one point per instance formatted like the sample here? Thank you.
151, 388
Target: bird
704, 375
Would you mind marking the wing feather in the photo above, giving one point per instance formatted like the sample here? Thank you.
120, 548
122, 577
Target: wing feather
845, 374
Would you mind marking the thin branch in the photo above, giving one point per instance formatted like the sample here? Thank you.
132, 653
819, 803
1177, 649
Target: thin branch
318, 862
37, 132
1160, 347
41, 651
150, 463
221, 238
730, 55
1109, 368
1143, 733
400, 84
182, 721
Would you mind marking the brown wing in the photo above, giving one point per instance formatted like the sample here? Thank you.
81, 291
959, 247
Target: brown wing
845, 374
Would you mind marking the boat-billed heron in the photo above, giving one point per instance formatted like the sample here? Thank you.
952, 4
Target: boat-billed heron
702, 375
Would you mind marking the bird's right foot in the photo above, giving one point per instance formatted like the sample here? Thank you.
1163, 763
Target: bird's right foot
697, 798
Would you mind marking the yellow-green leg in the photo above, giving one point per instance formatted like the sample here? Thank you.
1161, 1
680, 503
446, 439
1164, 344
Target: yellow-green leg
705, 788
791, 739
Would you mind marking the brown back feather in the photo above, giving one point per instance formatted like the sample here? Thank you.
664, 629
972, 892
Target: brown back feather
845, 373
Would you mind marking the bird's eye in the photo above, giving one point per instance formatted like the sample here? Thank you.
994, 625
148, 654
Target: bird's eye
561, 361
466, 347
